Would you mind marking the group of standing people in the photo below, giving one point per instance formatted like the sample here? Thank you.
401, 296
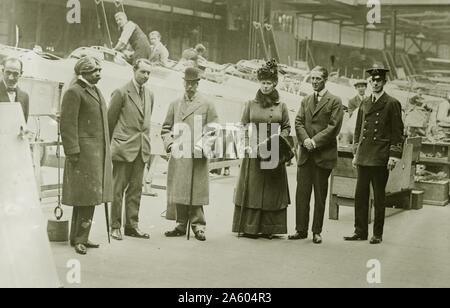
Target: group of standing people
107, 148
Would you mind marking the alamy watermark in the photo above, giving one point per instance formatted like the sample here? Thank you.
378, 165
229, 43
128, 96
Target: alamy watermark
374, 14
228, 142
73, 275
374, 274
74, 14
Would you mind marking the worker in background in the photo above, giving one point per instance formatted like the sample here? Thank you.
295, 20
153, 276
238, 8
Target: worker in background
355, 102
201, 51
159, 53
12, 69
443, 114
132, 35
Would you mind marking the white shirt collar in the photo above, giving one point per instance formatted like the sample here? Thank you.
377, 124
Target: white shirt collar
137, 86
321, 93
378, 95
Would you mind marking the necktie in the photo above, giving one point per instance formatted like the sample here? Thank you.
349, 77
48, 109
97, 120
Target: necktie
374, 99
316, 98
142, 95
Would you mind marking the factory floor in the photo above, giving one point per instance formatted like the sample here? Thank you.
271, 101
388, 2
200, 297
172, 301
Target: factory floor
415, 251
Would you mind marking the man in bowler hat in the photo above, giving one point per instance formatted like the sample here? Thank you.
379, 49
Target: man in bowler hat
378, 146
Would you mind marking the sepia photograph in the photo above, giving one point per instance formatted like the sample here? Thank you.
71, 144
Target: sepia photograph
224, 150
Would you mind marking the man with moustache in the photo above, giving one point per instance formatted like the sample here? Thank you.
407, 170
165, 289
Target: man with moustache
129, 118
12, 69
188, 177
317, 125
85, 138
377, 146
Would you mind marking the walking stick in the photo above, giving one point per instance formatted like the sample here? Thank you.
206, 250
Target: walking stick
107, 222
190, 202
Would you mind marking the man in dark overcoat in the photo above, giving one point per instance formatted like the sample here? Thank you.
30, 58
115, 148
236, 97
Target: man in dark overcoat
12, 69
188, 174
317, 125
377, 146
129, 117
85, 138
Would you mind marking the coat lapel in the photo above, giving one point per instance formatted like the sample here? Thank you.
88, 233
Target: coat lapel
378, 105
191, 107
92, 93
325, 99
4, 98
310, 105
134, 96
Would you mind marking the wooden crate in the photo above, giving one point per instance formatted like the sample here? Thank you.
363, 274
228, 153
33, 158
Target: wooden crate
436, 193
435, 152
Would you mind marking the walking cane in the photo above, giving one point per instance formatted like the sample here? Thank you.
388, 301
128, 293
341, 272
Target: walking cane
107, 222
190, 202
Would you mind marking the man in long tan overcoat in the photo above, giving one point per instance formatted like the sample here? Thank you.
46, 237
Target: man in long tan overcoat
188, 176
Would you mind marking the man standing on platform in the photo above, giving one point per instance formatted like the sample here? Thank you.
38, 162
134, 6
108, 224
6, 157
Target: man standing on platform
129, 117
9, 91
159, 53
85, 138
377, 146
318, 124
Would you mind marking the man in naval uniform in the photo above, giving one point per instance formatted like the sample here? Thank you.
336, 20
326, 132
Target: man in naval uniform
378, 146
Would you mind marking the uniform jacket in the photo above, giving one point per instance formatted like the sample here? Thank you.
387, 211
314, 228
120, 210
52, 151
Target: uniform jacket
378, 131
84, 131
322, 124
129, 124
21, 97
187, 178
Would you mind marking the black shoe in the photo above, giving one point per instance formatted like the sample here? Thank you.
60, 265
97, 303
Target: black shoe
298, 236
116, 234
376, 240
200, 235
175, 233
355, 237
89, 244
267, 236
136, 233
317, 239
252, 236
80, 249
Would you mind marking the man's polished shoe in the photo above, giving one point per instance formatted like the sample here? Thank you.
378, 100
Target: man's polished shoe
200, 235
376, 240
80, 249
174, 233
89, 244
317, 239
116, 234
298, 236
136, 233
355, 237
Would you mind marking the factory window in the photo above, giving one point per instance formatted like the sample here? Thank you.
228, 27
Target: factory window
283, 22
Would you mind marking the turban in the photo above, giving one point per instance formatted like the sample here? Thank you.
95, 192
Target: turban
86, 65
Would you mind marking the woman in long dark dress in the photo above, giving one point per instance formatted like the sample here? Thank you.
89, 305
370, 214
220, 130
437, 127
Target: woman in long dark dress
262, 195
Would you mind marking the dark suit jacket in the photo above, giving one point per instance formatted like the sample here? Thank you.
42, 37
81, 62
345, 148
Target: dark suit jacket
129, 124
378, 132
322, 124
353, 104
21, 97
